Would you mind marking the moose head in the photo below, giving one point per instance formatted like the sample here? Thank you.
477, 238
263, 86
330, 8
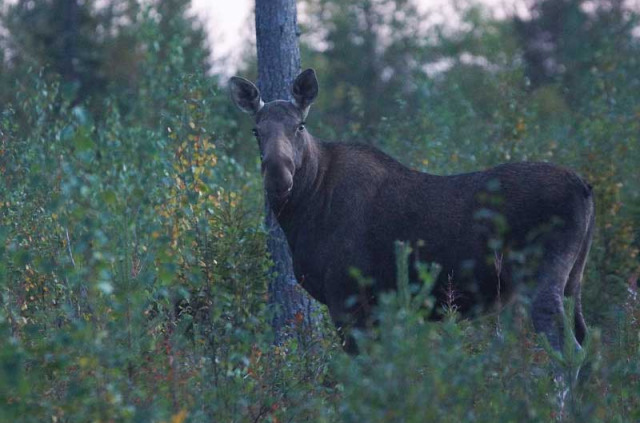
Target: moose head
280, 130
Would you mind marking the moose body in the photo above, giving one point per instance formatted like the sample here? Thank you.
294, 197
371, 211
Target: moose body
342, 206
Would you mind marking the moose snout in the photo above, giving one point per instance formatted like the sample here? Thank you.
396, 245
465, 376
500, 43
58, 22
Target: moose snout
278, 176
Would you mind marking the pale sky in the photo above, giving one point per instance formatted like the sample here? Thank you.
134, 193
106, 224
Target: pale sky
229, 24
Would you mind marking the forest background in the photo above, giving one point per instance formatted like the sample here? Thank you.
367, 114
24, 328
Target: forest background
133, 266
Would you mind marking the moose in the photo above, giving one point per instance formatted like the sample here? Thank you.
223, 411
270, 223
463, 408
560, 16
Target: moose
344, 205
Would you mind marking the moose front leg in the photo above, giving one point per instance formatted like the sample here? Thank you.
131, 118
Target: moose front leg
346, 320
349, 310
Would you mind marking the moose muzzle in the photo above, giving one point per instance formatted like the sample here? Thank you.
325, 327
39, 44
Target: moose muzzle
277, 171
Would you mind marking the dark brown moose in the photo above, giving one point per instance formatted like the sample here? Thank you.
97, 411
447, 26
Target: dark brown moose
343, 206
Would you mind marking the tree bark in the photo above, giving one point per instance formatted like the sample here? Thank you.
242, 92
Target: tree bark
278, 65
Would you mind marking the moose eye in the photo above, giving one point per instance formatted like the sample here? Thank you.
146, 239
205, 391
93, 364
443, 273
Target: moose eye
301, 127
255, 132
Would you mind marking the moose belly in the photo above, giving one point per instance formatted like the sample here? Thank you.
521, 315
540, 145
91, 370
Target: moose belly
323, 268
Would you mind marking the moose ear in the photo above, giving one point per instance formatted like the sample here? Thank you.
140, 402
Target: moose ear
245, 95
305, 90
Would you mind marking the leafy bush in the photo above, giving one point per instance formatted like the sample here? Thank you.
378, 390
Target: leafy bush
133, 274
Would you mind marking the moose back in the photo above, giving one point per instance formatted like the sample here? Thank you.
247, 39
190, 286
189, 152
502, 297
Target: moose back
343, 206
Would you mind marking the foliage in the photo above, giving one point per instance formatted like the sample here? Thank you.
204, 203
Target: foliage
132, 258
364, 51
97, 48
124, 254
564, 40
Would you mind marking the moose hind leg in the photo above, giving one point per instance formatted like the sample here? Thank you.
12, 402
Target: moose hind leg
573, 289
547, 310
574, 284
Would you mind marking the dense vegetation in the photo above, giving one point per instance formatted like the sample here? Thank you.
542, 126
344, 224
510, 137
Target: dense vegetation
133, 268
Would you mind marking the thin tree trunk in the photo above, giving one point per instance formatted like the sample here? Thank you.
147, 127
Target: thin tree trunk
278, 65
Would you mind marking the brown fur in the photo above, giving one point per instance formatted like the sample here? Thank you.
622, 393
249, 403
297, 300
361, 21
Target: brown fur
342, 206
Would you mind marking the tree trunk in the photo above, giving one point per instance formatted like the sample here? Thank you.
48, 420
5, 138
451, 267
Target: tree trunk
278, 65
